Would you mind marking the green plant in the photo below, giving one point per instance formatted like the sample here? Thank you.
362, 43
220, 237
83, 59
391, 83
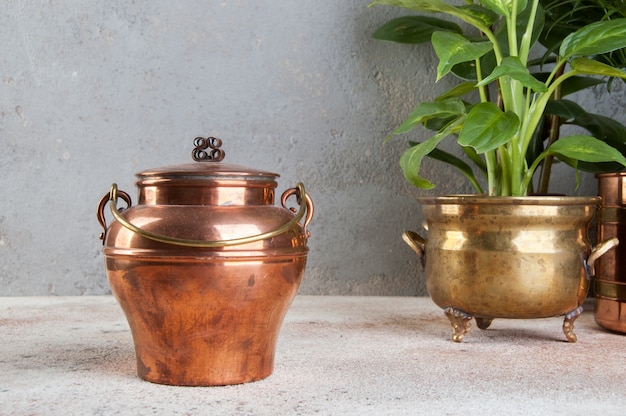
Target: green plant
501, 132
563, 17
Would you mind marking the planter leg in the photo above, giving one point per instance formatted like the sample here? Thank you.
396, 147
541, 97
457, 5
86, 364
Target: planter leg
460, 323
568, 323
483, 323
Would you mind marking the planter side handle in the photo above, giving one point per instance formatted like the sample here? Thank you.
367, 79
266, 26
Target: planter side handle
417, 243
597, 252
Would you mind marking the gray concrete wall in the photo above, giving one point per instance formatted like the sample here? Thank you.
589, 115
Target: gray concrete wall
92, 92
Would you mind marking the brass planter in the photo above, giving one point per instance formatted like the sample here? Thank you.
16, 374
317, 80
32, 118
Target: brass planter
205, 268
507, 257
610, 280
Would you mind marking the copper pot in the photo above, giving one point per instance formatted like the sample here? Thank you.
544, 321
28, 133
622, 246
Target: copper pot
506, 257
205, 267
610, 281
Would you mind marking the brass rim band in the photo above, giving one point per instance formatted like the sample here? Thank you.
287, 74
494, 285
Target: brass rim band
613, 290
302, 199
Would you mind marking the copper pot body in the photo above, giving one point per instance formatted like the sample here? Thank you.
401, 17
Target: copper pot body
610, 280
205, 315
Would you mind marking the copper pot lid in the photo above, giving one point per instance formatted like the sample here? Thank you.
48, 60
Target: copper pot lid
206, 150
206, 182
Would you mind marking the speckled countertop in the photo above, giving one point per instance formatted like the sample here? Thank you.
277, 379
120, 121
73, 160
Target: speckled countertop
335, 356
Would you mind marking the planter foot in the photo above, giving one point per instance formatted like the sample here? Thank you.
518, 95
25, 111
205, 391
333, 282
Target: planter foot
460, 323
483, 323
568, 323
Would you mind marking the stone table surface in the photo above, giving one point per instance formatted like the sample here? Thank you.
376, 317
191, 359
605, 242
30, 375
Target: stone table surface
335, 356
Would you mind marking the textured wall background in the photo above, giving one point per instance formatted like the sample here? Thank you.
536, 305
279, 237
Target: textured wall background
92, 92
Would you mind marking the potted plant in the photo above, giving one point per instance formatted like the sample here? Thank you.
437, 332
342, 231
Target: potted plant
502, 253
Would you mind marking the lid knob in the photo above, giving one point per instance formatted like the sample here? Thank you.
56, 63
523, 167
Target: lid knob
200, 152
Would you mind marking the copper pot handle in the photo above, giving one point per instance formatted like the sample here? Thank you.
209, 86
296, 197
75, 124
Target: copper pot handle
101, 218
303, 200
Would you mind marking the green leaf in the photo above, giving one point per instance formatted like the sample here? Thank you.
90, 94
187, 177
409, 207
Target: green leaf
554, 32
467, 70
411, 160
602, 127
452, 48
486, 127
577, 83
595, 38
586, 149
477, 16
572, 84
414, 29
512, 67
459, 90
463, 167
451, 107
566, 109
433, 6
470, 152
504, 7
591, 67
609, 131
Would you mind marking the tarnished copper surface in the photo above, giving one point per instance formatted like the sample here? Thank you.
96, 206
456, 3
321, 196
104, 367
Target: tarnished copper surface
500, 257
205, 309
610, 280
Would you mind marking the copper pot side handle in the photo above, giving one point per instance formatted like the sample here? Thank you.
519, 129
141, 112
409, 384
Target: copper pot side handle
303, 200
310, 209
597, 252
417, 243
100, 213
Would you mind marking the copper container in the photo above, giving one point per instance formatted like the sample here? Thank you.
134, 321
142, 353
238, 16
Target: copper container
507, 257
205, 267
610, 281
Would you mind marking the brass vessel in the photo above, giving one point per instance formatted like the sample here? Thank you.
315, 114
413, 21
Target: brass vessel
610, 280
507, 257
205, 267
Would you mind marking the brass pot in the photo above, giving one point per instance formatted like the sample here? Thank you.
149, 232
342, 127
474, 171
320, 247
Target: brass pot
610, 280
205, 268
507, 257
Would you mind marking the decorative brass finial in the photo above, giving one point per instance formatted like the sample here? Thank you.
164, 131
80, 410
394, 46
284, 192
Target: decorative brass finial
200, 153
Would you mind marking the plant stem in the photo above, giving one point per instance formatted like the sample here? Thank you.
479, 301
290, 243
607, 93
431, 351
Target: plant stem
535, 113
553, 135
546, 166
492, 183
528, 34
482, 90
511, 24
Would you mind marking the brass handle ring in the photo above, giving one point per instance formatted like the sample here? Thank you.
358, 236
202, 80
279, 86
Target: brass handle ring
306, 206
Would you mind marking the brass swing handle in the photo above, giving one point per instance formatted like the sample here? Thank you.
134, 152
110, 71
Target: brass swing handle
303, 200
